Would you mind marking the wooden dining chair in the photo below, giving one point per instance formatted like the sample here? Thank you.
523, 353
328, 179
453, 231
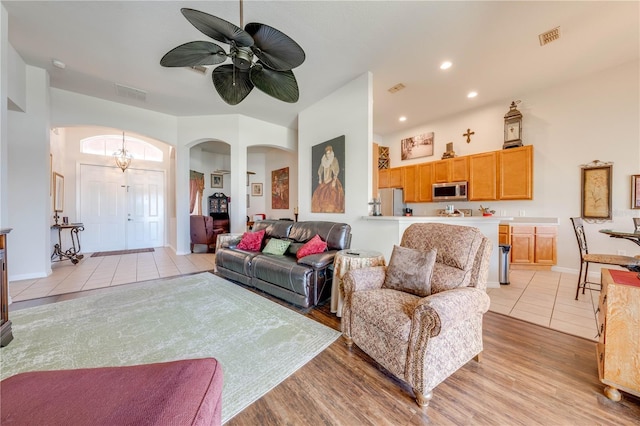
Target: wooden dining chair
631, 263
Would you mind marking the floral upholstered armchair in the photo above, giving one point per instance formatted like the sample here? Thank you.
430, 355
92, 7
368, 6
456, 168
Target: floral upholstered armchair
421, 316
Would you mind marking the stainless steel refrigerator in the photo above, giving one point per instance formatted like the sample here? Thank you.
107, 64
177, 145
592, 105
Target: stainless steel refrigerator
391, 202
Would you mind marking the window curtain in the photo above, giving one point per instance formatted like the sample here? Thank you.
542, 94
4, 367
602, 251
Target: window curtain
196, 188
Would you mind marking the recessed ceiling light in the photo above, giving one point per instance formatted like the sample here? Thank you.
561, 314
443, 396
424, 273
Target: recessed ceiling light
58, 64
445, 65
403, 118
472, 94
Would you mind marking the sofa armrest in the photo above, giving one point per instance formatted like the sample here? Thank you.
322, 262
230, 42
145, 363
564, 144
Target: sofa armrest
319, 260
450, 308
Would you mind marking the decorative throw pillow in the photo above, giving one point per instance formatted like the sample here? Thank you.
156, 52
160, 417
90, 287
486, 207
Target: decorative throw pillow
410, 271
313, 246
276, 246
251, 241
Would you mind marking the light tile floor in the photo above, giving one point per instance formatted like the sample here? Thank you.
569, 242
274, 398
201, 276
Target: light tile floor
109, 271
548, 298
541, 297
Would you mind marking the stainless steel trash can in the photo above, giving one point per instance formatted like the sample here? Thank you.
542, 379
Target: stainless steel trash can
503, 273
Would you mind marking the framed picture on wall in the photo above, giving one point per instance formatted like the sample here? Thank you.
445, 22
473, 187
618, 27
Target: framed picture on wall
58, 192
596, 191
256, 189
216, 180
635, 191
280, 188
328, 176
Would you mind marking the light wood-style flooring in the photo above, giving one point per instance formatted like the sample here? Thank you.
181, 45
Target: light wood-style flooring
528, 375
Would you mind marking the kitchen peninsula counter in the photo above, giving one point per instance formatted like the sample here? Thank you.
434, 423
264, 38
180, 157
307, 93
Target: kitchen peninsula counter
488, 225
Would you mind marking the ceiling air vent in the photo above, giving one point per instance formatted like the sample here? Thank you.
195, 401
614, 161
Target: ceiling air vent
549, 36
131, 92
398, 87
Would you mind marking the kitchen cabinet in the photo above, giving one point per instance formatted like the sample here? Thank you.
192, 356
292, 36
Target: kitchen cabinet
504, 234
545, 245
451, 170
618, 347
483, 181
522, 244
515, 173
411, 184
390, 178
534, 245
425, 179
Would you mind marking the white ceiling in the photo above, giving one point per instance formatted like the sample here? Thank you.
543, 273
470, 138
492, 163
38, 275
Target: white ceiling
493, 46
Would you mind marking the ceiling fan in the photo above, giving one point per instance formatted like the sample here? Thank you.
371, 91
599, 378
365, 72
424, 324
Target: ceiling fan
277, 54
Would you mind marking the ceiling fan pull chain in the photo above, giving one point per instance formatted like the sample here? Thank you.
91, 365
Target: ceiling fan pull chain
241, 15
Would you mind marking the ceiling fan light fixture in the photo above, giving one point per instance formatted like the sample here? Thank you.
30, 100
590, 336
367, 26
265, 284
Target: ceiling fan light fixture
276, 53
122, 157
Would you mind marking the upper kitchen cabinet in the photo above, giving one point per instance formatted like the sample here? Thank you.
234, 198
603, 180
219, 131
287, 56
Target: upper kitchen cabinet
411, 184
451, 170
515, 173
483, 182
390, 178
425, 179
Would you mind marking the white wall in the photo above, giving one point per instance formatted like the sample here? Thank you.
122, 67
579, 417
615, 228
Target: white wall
4, 96
348, 111
28, 189
595, 117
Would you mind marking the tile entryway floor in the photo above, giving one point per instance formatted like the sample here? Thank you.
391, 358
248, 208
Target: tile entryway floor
107, 271
547, 298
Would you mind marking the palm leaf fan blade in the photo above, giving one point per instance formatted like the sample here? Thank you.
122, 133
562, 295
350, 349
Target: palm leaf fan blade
194, 53
232, 89
281, 85
274, 48
217, 28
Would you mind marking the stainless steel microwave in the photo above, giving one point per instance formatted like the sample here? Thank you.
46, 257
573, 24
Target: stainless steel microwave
450, 191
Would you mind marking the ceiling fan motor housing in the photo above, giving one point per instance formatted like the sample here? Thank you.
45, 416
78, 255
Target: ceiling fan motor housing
242, 57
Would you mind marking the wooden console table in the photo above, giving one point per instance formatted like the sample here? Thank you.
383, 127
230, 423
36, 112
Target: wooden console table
72, 253
618, 349
5, 325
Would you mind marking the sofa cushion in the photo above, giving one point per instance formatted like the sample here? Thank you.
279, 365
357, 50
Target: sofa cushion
314, 246
276, 246
251, 241
410, 270
282, 271
336, 235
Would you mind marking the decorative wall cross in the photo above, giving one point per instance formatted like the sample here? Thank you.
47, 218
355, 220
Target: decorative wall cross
468, 135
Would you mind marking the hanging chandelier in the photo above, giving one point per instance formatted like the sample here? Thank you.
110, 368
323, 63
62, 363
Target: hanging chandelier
122, 157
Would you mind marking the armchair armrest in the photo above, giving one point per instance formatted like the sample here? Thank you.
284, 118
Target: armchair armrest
450, 307
364, 279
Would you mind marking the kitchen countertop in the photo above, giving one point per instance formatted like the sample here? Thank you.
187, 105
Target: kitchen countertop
504, 220
539, 221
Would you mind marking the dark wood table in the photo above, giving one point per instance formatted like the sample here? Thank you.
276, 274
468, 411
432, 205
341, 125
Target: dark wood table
631, 236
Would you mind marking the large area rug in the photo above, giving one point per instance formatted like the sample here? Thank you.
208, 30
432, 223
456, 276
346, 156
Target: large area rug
258, 342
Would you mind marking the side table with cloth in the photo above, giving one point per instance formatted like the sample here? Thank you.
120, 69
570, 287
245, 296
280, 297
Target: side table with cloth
346, 260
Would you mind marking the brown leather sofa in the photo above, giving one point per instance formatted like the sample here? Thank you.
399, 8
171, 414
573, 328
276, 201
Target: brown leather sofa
205, 230
304, 282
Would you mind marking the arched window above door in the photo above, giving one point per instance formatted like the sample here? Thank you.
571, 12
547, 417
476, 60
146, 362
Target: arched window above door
106, 145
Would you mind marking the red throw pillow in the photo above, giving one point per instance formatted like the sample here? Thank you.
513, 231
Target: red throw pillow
251, 241
313, 246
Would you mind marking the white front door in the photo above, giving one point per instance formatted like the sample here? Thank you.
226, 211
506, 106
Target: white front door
121, 210
145, 209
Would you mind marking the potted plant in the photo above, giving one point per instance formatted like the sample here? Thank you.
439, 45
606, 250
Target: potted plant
486, 211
